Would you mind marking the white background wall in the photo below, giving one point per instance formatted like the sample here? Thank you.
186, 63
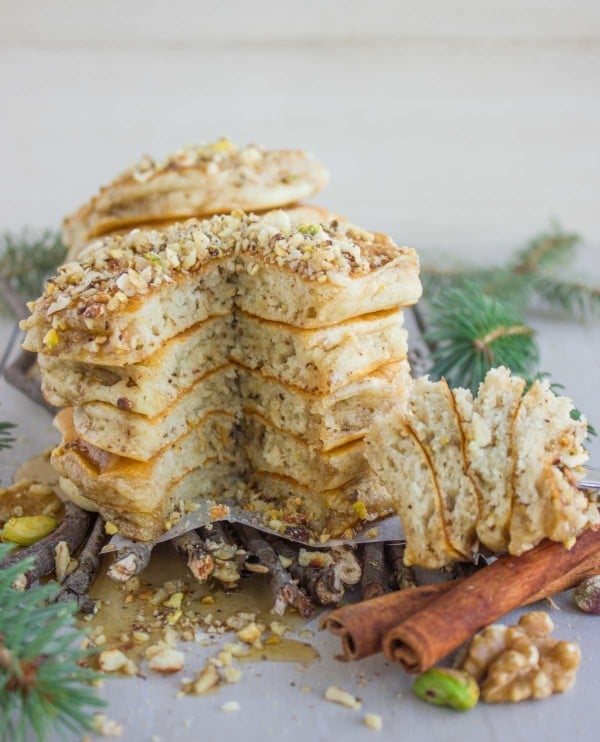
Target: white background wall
461, 125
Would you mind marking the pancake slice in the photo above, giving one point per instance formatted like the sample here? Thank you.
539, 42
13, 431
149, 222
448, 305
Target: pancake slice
320, 360
148, 387
488, 424
549, 457
397, 456
125, 433
434, 419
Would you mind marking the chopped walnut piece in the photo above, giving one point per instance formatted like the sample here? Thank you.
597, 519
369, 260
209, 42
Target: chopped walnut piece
112, 660
106, 727
207, 679
167, 660
513, 663
337, 695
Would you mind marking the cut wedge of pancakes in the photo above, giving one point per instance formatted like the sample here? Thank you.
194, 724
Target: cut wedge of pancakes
251, 348
499, 471
195, 181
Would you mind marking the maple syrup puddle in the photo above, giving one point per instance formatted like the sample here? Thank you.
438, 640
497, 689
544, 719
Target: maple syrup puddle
122, 612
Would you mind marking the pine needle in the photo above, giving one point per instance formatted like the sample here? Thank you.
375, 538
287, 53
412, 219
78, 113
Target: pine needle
26, 259
533, 271
547, 250
469, 333
571, 297
43, 687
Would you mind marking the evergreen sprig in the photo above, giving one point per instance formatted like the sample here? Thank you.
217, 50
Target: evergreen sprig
6, 439
27, 258
470, 332
531, 273
43, 687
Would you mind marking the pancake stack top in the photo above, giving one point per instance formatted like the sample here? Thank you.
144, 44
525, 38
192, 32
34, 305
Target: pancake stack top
196, 181
244, 347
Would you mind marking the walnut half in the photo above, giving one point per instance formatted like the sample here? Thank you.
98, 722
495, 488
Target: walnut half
514, 663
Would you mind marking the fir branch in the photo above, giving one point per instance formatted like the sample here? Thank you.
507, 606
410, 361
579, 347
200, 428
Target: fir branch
548, 250
532, 272
26, 259
43, 687
469, 333
575, 299
6, 439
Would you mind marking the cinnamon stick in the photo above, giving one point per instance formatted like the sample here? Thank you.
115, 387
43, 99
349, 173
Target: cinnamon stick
428, 635
363, 626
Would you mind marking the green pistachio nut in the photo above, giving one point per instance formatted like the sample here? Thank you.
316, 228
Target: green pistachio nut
445, 687
29, 529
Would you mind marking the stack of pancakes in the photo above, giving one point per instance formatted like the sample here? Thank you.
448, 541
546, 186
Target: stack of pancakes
239, 348
499, 471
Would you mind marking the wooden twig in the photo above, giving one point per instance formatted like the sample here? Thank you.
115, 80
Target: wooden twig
373, 583
193, 549
349, 568
322, 584
285, 590
76, 585
402, 577
72, 530
131, 559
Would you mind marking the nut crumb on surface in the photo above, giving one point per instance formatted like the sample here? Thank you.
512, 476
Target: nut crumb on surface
373, 721
112, 660
167, 660
106, 727
337, 695
230, 706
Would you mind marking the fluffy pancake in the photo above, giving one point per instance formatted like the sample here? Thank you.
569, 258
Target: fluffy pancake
433, 417
325, 421
147, 387
134, 292
148, 524
136, 436
397, 456
488, 424
196, 182
549, 454
320, 360
126, 484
